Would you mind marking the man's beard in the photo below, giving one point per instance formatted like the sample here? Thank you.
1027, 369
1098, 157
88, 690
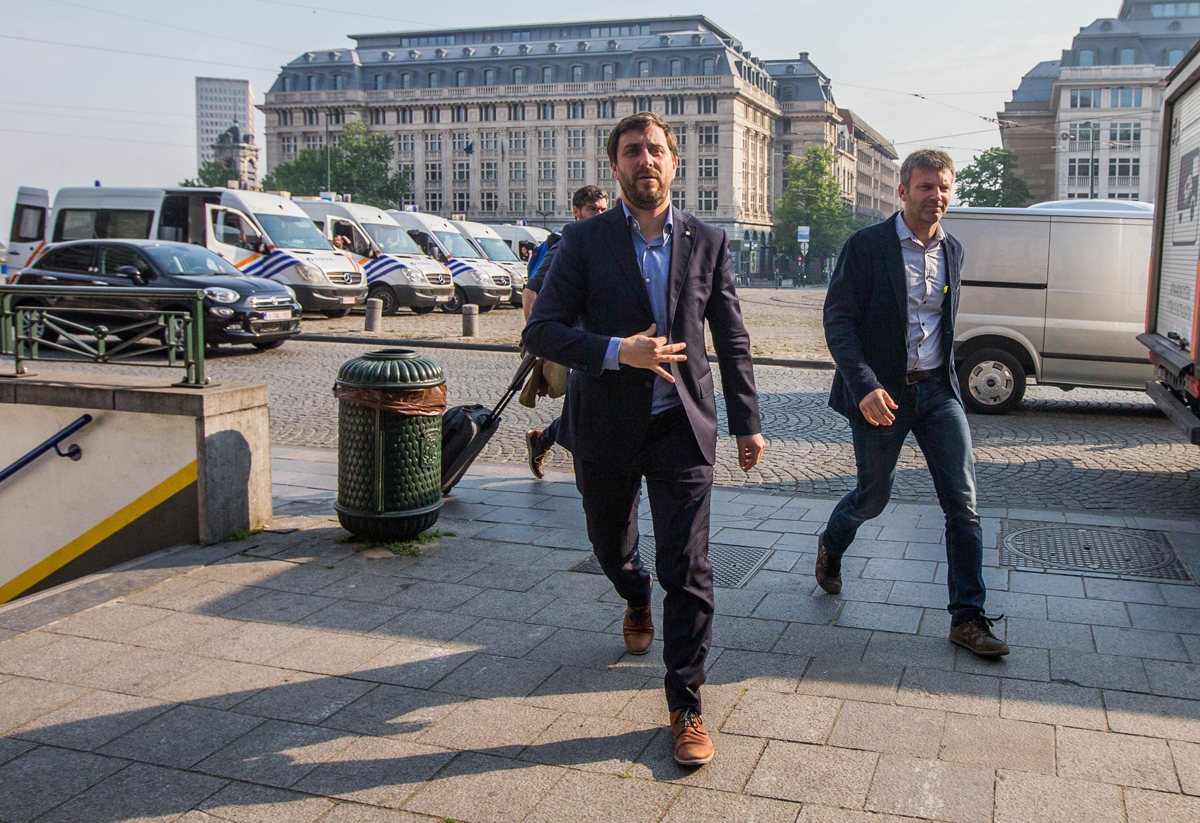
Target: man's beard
647, 200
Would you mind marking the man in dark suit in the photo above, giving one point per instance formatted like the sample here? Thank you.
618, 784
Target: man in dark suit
640, 281
889, 323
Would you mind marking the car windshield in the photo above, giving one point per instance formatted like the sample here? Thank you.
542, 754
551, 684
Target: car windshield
497, 249
187, 259
288, 232
458, 246
392, 239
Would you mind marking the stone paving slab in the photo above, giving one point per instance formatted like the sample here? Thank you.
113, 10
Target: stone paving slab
295, 676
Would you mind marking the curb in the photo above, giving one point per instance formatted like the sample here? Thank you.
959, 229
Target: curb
511, 348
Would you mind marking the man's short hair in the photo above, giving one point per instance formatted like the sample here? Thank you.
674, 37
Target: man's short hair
925, 159
587, 196
640, 122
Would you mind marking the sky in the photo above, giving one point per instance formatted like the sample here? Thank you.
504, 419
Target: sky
70, 116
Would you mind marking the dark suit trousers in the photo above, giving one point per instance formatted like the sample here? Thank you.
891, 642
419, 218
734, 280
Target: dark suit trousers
679, 482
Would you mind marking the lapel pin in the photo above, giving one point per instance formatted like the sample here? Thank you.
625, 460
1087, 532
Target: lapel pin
687, 234
945, 289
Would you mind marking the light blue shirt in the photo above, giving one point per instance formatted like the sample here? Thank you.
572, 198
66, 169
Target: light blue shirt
925, 273
654, 260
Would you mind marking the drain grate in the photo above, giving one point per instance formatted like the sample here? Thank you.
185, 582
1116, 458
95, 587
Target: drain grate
1091, 550
733, 566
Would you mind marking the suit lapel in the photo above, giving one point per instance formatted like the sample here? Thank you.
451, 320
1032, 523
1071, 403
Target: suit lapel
681, 253
621, 247
895, 265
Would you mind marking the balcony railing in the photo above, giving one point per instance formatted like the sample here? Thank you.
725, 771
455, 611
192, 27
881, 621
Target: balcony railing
1124, 182
1084, 145
1079, 181
1127, 145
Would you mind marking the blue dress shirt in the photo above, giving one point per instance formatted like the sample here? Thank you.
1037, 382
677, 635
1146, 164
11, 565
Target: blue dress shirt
925, 271
654, 260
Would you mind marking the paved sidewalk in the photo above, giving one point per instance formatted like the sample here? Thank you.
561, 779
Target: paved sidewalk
292, 676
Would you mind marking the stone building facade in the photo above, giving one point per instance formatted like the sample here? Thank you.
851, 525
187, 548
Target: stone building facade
221, 102
235, 151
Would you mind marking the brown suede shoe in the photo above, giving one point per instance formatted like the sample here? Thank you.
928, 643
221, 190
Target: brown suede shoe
693, 747
830, 582
638, 629
976, 635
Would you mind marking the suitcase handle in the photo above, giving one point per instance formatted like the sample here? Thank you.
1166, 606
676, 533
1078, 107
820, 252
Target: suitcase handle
517, 383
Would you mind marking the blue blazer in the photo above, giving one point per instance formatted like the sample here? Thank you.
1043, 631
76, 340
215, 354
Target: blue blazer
866, 317
595, 282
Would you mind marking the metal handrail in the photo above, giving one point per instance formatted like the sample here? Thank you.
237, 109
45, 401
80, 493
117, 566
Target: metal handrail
73, 451
30, 324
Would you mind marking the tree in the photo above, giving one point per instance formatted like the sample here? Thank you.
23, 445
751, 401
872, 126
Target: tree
212, 174
992, 181
813, 198
360, 165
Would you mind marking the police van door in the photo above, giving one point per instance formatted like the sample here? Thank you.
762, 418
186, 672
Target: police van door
230, 234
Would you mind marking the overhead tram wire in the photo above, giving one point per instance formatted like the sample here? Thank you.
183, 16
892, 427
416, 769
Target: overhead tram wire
137, 53
97, 137
928, 99
94, 108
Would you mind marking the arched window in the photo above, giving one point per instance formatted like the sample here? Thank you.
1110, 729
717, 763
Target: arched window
608, 72
406, 81
313, 82
461, 77
676, 65
547, 74
489, 77
576, 74
1125, 58
643, 68
339, 81
708, 66
380, 82
787, 93
519, 75
1087, 57
289, 83
1174, 56
433, 79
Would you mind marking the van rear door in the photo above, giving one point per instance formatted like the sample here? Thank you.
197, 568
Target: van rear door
28, 235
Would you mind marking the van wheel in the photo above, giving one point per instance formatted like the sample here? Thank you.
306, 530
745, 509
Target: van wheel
992, 382
422, 309
336, 314
455, 303
267, 345
387, 296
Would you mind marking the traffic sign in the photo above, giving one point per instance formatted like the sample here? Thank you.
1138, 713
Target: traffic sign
802, 234
804, 247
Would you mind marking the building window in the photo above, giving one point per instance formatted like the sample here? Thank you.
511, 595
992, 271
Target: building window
458, 114
1125, 134
605, 109
404, 143
335, 117
313, 141
676, 67
433, 172
1079, 169
516, 202
678, 200
406, 81
576, 138
575, 171
285, 117
706, 200
545, 111
488, 138
1126, 169
461, 78
708, 105
708, 168
433, 114
287, 145
461, 202
433, 79
681, 136
603, 170
311, 117
576, 74
602, 140
547, 139
546, 170
1084, 132
1087, 57
404, 115
1174, 56
516, 141
516, 170
642, 104
433, 201
575, 111
461, 171
459, 140
313, 82
608, 72
289, 83
487, 170
707, 135
1126, 98
339, 81
547, 74
643, 68
681, 169
708, 66
518, 75
1175, 10
489, 202
516, 111
1125, 57
1086, 98
487, 113
546, 201
380, 82
378, 117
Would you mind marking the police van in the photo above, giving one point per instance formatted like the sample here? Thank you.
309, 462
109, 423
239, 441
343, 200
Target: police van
523, 240
488, 241
262, 234
398, 273
477, 280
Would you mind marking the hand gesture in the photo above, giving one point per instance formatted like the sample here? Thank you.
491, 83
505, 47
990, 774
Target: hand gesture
645, 351
877, 406
750, 450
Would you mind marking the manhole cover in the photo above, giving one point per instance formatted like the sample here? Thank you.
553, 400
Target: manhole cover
732, 566
1092, 550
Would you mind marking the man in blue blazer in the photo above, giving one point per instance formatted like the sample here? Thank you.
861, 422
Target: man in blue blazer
624, 307
889, 323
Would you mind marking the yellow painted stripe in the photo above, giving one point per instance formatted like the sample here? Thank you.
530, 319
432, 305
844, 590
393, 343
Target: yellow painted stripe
102, 531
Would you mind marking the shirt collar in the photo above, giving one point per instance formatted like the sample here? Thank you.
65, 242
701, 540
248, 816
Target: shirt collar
906, 233
668, 228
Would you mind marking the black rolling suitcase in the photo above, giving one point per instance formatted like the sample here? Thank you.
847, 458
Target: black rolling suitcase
467, 429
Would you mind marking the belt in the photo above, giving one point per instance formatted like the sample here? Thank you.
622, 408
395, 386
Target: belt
918, 375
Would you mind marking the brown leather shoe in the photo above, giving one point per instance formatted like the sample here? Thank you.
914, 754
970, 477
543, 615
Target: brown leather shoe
829, 578
693, 747
976, 634
638, 629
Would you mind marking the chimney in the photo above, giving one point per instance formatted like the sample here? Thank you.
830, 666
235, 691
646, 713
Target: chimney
804, 56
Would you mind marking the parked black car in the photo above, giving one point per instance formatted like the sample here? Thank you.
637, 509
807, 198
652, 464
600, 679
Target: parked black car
237, 308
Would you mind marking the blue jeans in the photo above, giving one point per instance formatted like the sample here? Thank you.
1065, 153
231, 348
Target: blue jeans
933, 414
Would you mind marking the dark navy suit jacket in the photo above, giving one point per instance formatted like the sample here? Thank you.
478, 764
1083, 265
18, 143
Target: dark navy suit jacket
595, 281
866, 317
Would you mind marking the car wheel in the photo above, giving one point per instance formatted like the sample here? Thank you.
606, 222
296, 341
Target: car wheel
387, 296
336, 314
455, 303
267, 345
992, 382
423, 309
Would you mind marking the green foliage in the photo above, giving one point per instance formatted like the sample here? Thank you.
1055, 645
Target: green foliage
992, 181
243, 534
361, 166
405, 548
813, 198
212, 174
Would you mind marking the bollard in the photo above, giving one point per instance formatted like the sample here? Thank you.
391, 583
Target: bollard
470, 314
374, 314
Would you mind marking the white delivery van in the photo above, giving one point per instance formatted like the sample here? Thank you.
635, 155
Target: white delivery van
492, 244
477, 280
398, 273
523, 240
1056, 294
263, 235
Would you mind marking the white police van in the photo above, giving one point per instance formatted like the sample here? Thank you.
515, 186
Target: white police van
499, 252
262, 234
476, 279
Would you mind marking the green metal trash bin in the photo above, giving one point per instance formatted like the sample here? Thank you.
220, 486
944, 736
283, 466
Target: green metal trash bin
390, 405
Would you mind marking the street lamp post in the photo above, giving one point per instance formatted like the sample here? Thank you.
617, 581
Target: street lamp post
544, 215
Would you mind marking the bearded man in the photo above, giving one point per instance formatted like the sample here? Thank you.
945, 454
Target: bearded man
624, 307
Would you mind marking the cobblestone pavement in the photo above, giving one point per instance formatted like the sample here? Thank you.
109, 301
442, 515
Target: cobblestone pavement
294, 676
